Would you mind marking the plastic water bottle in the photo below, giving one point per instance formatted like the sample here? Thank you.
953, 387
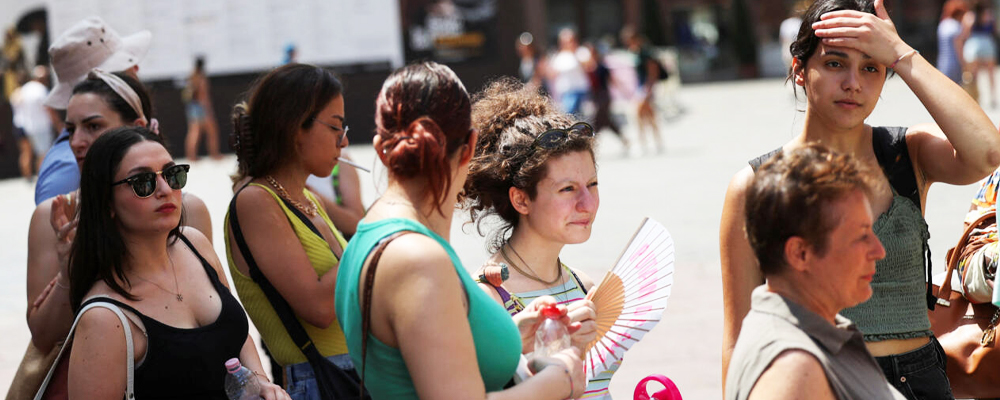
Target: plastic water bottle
552, 336
241, 384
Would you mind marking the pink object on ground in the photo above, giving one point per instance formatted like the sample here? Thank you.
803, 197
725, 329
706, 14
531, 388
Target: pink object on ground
669, 391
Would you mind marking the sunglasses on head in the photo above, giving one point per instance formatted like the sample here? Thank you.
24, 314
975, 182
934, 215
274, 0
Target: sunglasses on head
552, 138
144, 183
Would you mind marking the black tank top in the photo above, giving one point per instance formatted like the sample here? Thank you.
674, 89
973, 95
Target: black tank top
190, 363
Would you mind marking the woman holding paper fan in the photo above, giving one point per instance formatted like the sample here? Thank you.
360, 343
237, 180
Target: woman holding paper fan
534, 169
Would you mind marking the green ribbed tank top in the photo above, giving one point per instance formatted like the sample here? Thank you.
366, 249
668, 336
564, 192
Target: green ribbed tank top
497, 341
330, 340
898, 306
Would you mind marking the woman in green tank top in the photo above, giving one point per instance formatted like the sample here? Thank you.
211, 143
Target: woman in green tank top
842, 56
291, 126
432, 334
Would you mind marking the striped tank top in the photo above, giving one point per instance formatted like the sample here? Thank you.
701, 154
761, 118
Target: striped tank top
565, 293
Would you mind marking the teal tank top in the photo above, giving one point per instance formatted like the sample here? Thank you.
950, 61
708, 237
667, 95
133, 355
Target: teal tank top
497, 340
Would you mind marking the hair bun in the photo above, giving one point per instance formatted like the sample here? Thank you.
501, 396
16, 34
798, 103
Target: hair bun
420, 148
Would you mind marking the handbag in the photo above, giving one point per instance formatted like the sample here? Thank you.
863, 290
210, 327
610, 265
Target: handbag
130, 355
968, 338
366, 300
31, 372
333, 382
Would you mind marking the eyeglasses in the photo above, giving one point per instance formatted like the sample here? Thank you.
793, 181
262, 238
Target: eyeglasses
343, 136
144, 184
552, 138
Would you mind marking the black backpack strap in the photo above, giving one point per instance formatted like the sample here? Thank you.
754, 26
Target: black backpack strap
281, 307
889, 144
760, 160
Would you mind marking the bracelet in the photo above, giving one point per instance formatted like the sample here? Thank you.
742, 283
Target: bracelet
570, 377
57, 279
909, 53
260, 374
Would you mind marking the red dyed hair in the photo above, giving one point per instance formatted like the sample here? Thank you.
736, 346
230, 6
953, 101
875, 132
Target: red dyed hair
423, 115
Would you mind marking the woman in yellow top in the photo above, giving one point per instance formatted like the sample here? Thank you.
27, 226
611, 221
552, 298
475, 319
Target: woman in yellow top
291, 126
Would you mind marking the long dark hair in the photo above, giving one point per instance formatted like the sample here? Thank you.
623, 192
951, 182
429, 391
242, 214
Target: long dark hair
806, 42
98, 250
280, 103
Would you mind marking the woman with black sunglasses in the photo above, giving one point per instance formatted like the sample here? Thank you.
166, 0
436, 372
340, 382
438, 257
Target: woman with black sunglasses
129, 251
103, 101
282, 246
534, 169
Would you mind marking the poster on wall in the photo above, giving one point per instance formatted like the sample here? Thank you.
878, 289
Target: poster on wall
449, 30
240, 36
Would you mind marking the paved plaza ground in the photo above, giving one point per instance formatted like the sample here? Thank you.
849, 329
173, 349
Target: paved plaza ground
724, 124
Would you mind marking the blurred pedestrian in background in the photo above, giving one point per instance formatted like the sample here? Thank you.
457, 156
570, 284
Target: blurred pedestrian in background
200, 115
951, 34
980, 49
33, 119
532, 66
649, 70
567, 71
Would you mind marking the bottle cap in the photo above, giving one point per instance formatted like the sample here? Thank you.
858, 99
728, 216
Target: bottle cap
551, 312
233, 365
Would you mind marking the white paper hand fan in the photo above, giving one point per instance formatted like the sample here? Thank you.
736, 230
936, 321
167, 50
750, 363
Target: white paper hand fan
632, 296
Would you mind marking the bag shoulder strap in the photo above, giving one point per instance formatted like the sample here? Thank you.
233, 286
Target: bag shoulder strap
889, 145
954, 254
278, 303
130, 352
366, 302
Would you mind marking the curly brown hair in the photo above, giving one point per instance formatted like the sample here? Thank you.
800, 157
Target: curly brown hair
509, 116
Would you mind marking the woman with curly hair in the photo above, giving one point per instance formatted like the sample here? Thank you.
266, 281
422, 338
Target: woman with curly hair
534, 169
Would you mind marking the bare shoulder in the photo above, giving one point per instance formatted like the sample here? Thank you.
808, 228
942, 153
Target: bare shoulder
586, 280
413, 255
740, 182
794, 374
100, 322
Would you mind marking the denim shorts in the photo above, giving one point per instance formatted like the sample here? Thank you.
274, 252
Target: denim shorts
300, 383
919, 374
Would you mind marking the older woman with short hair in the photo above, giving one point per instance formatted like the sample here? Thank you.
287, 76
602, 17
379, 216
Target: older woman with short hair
809, 222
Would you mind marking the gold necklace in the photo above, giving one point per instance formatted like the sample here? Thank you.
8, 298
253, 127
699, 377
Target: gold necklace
533, 276
177, 287
310, 211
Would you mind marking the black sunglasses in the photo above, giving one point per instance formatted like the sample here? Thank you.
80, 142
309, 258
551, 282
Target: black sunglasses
144, 183
552, 138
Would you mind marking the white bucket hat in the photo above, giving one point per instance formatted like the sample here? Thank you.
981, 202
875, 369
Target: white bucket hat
90, 44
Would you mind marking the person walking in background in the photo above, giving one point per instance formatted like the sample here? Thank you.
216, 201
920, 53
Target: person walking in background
283, 250
131, 251
647, 68
200, 116
809, 221
842, 58
601, 81
33, 118
532, 65
423, 329
12, 65
72, 59
535, 169
951, 34
980, 49
567, 71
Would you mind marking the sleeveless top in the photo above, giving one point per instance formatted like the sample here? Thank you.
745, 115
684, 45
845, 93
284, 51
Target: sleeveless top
496, 338
899, 302
776, 324
947, 59
568, 292
190, 363
330, 340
